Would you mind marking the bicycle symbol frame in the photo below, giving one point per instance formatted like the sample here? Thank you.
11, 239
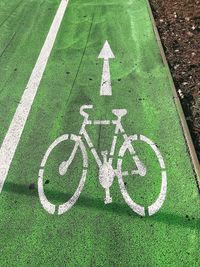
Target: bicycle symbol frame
106, 171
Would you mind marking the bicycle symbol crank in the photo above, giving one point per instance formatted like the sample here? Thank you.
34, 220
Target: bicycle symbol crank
106, 171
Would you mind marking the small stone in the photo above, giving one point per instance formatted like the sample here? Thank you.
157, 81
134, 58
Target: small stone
176, 66
180, 94
190, 34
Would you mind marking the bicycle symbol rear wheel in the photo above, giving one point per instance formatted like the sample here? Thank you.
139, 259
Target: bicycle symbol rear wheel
49, 207
156, 205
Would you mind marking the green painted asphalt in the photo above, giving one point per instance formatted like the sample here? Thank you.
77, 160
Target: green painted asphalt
92, 233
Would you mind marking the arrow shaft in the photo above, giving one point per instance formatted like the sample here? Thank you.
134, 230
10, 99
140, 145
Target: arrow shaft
106, 88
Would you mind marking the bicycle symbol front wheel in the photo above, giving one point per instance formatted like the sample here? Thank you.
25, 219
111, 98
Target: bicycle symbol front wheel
47, 205
156, 205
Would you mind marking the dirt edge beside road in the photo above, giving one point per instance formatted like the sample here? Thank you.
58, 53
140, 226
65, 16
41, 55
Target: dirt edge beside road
178, 23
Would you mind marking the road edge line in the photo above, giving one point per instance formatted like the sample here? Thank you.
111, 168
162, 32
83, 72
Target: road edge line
13, 135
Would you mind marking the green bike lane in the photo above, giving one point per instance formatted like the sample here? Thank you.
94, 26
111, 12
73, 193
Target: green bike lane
92, 233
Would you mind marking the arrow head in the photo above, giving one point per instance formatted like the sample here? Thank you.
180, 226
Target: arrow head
106, 52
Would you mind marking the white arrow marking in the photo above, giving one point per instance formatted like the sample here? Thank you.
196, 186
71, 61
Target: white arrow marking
106, 53
12, 138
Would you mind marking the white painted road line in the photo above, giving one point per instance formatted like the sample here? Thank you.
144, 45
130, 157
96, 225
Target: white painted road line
106, 53
13, 135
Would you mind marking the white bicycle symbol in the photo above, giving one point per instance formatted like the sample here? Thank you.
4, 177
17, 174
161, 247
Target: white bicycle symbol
106, 171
